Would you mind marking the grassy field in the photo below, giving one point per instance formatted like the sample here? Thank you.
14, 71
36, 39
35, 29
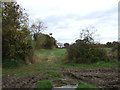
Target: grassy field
49, 62
53, 59
58, 54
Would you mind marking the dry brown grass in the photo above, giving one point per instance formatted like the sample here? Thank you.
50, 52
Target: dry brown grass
40, 59
45, 59
52, 59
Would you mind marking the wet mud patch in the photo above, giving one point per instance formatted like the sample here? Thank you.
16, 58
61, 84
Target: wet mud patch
99, 77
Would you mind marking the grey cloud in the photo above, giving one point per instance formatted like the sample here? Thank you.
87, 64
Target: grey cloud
56, 19
61, 23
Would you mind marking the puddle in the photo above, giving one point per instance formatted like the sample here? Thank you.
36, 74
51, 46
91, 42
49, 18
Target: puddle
66, 87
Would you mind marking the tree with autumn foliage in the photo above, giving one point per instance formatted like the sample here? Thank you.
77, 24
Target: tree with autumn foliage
16, 38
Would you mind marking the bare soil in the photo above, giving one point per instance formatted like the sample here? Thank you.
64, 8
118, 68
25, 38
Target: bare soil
100, 77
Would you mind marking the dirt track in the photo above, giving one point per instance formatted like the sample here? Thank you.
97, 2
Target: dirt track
100, 77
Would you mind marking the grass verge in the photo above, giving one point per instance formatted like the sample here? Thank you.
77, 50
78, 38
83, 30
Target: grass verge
102, 64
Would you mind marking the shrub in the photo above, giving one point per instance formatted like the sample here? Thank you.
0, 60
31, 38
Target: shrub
82, 52
116, 50
13, 63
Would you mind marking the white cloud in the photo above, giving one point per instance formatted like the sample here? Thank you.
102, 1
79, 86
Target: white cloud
65, 18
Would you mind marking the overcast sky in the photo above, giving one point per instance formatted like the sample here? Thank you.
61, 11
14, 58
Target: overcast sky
66, 18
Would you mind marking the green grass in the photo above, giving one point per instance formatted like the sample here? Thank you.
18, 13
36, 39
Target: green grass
113, 63
54, 51
49, 69
60, 54
51, 74
25, 70
85, 86
45, 84
107, 48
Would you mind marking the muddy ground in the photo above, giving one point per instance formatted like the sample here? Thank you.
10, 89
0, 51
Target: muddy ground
100, 77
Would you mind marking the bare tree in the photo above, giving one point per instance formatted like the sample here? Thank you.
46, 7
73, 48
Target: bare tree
37, 27
88, 34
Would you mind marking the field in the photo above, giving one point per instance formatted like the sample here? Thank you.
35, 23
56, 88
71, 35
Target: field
51, 65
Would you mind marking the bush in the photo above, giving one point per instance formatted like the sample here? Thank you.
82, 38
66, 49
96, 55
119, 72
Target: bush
82, 52
116, 50
13, 63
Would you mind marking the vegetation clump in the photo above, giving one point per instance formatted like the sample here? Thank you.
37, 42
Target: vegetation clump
85, 85
44, 41
85, 51
16, 38
52, 74
116, 50
45, 84
18, 41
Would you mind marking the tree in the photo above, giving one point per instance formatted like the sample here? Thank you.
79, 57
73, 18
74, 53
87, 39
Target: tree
45, 41
50, 42
36, 28
112, 44
109, 44
50, 34
66, 44
16, 39
88, 34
